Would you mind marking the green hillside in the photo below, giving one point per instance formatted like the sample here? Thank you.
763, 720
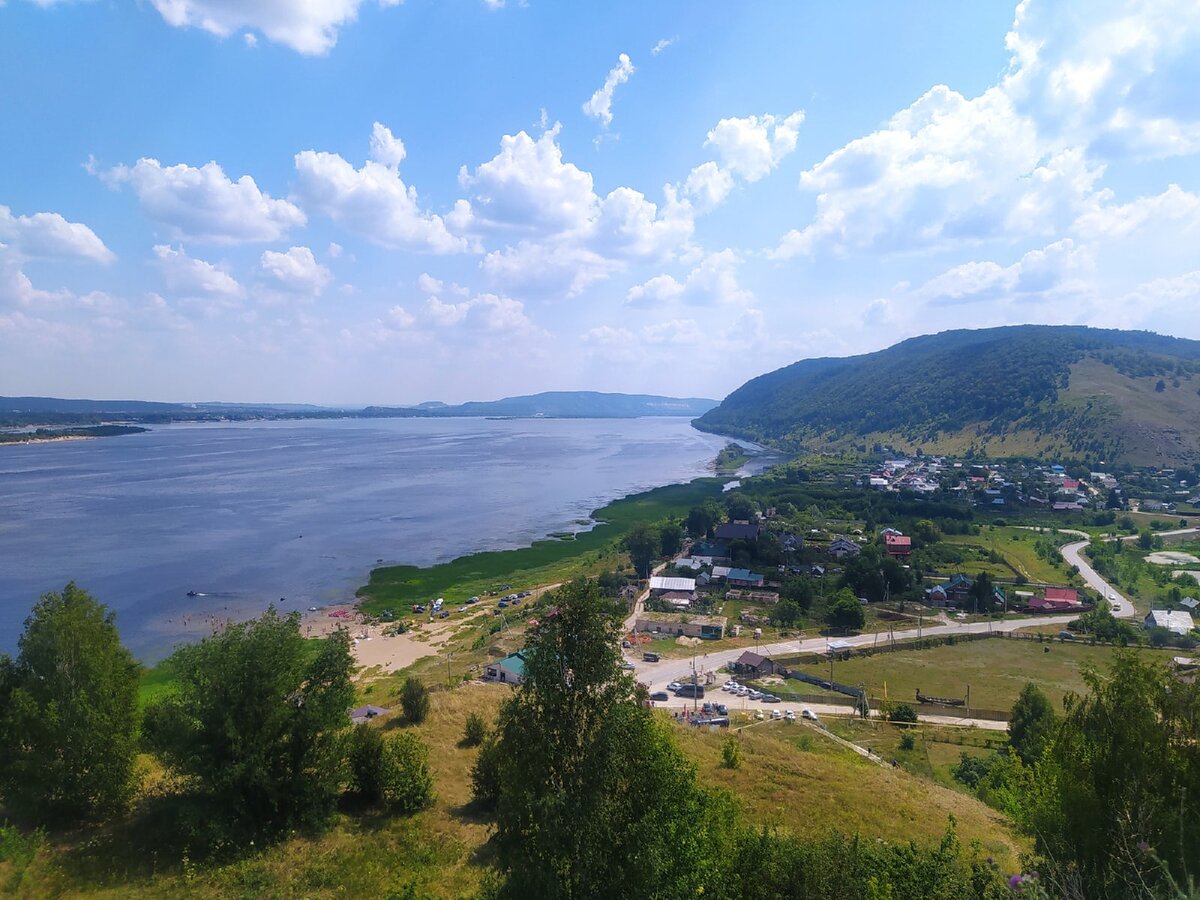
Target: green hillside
1118, 396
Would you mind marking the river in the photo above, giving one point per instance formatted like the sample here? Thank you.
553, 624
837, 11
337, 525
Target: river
298, 512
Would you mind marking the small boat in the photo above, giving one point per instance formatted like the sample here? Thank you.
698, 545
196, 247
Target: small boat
193, 593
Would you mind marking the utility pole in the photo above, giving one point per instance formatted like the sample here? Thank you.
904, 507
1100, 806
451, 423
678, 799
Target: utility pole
449, 656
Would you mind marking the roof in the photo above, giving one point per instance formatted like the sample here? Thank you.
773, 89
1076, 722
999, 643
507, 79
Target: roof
678, 618
1175, 620
1051, 605
843, 542
670, 583
1068, 594
1190, 602
514, 662
732, 531
751, 659
897, 540
743, 575
721, 571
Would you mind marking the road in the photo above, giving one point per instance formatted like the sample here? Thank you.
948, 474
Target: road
746, 705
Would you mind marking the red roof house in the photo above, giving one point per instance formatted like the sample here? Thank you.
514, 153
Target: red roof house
897, 544
1057, 600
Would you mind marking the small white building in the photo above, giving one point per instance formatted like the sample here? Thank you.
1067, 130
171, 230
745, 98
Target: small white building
1174, 620
660, 584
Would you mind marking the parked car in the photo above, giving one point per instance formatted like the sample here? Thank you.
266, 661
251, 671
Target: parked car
649, 657
627, 666
758, 714
674, 686
808, 714
770, 698
691, 690
1067, 635
472, 599
755, 695
462, 609
722, 709
503, 604
660, 695
790, 715
776, 714
743, 691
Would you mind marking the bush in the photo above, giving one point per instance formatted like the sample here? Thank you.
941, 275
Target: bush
903, 713
907, 741
415, 700
474, 732
485, 774
393, 771
731, 753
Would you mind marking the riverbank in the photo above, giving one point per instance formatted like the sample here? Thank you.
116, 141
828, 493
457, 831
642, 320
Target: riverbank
54, 435
397, 587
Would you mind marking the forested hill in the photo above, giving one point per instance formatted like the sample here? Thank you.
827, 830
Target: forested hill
563, 404
1092, 394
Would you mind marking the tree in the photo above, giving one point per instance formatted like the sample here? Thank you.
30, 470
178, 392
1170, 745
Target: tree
474, 731
392, 770
414, 698
68, 712
258, 722
845, 613
982, 593
670, 538
1111, 806
593, 798
740, 506
786, 614
927, 532
1145, 539
643, 543
1031, 727
902, 712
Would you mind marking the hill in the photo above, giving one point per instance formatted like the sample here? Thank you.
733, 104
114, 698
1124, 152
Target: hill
561, 404
1026, 390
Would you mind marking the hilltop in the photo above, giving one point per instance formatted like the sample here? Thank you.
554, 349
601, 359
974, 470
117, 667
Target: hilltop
1027, 390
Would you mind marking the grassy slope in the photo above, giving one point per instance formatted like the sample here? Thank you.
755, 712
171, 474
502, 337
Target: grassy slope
542, 563
1016, 545
807, 785
995, 669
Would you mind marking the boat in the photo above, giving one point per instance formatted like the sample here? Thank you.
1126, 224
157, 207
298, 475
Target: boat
193, 593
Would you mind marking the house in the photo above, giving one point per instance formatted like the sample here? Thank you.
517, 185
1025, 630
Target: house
367, 713
1191, 604
891, 532
661, 584
751, 663
678, 599
955, 592
744, 578
841, 547
706, 627
898, 546
1060, 506
1057, 600
1175, 620
737, 531
510, 670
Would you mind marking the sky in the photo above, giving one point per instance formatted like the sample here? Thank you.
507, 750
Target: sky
374, 201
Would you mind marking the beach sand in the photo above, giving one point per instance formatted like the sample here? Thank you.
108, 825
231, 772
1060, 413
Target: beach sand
370, 647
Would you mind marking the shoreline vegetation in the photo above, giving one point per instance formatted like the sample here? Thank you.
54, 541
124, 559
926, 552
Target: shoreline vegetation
50, 435
552, 559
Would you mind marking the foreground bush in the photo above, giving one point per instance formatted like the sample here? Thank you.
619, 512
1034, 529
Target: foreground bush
392, 770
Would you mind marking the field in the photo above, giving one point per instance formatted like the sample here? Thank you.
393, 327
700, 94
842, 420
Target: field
936, 751
544, 562
789, 776
1016, 546
996, 670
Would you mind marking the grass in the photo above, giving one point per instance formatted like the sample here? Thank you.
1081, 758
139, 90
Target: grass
1016, 546
544, 562
789, 776
995, 669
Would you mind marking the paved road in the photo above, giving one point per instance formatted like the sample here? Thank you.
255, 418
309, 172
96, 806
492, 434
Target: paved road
746, 705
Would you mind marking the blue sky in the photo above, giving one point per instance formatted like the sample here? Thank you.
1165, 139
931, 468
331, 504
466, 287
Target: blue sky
366, 201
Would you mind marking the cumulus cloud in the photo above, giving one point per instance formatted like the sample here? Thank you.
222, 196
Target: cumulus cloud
296, 270
662, 45
599, 106
712, 282
49, 236
190, 277
307, 26
373, 201
202, 204
482, 313
752, 146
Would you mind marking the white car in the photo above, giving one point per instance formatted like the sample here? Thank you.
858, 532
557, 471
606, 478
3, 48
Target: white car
808, 714
755, 695
758, 714
743, 691
790, 715
776, 714
727, 686
674, 686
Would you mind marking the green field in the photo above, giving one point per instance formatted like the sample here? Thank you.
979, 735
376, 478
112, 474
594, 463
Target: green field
1016, 546
996, 670
544, 562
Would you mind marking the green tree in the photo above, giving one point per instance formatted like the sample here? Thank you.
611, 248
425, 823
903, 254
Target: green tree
1145, 539
1111, 805
392, 770
414, 699
259, 723
670, 538
68, 713
927, 532
594, 798
982, 593
902, 712
845, 613
643, 544
786, 614
740, 506
1032, 724
474, 731
731, 753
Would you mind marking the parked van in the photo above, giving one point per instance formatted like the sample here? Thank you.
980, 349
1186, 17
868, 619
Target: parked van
690, 690
650, 657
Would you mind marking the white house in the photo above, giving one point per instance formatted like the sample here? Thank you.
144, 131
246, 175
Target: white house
1175, 620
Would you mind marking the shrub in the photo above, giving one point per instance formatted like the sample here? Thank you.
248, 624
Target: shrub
415, 700
485, 774
903, 713
907, 741
474, 732
731, 753
393, 771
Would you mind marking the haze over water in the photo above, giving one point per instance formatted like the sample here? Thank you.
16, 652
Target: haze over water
247, 513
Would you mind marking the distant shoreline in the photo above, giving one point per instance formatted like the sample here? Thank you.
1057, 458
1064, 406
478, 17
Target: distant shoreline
58, 435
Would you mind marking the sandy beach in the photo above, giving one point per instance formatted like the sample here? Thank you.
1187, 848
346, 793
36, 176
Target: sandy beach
371, 648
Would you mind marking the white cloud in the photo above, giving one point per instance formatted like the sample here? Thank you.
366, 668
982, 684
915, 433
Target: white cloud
307, 26
250, 38
484, 313
563, 267
752, 146
708, 185
662, 45
50, 236
373, 201
296, 270
194, 277
428, 284
712, 282
1173, 206
202, 204
599, 107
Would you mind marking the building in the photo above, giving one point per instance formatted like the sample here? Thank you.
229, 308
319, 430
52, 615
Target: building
744, 578
710, 628
1175, 620
1057, 600
661, 584
841, 547
678, 599
737, 531
898, 546
955, 592
510, 670
751, 663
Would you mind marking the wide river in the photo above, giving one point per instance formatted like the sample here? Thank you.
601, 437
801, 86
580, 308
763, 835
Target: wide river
249, 513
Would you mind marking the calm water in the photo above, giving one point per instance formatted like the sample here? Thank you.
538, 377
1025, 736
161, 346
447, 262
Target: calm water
248, 513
